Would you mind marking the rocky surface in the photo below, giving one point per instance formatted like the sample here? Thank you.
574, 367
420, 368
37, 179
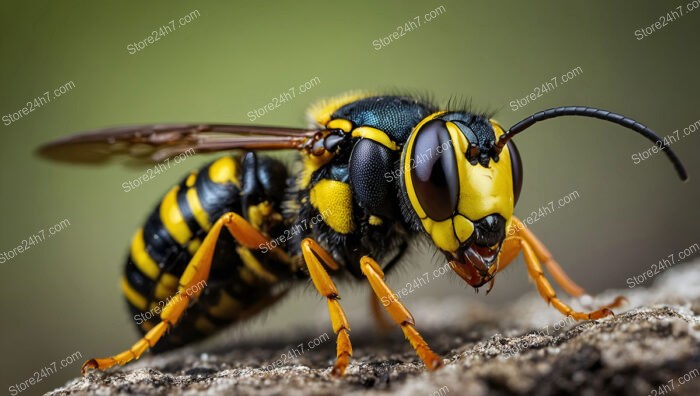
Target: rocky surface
651, 347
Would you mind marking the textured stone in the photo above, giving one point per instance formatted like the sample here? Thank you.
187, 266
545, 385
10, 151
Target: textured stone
524, 348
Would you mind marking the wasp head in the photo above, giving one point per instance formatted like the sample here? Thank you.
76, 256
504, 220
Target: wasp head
461, 190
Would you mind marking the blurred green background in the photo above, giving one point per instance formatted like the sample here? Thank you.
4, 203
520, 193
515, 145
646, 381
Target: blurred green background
62, 295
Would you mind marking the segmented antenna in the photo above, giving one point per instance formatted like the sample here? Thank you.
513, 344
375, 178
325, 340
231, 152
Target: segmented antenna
605, 115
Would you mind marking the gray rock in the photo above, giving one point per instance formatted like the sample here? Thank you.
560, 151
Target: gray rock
651, 347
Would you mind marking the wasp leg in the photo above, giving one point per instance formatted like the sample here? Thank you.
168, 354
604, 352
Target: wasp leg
197, 271
398, 312
315, 257
379, 319
553, 267
515, 244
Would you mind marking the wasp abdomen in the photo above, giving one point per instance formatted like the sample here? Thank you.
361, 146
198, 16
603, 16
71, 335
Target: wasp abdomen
240, 281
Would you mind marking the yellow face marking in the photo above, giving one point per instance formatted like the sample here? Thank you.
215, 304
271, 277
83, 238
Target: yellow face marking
204, 325
463, 227
252, 263
334, 198
191, 179
172, 219
340, 123
134, 297
442, 233
482, 191
375, 134
200, 215
320, 112
224, 170
226, 308
141, 258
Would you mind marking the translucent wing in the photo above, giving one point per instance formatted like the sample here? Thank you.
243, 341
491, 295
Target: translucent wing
157, 142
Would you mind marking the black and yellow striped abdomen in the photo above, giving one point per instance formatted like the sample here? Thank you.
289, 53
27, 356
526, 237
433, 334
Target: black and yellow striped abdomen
241, 281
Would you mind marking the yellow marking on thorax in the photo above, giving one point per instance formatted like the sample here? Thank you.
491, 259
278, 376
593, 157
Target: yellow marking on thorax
252, 263
141, 258
224, 170
311, 163
258, 213
375, 134
334, 199
200, 215
134, 297
340, 123
226, 308
321, 111
171, 216
375, 221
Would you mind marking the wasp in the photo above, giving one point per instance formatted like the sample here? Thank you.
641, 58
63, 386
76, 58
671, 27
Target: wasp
378, 172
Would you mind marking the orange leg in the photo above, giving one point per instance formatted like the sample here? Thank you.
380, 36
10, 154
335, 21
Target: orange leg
197, 271
315, 257
379, 319
398, 312
513, 245
553, 267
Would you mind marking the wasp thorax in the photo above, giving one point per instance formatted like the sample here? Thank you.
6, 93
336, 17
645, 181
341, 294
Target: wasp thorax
434, 171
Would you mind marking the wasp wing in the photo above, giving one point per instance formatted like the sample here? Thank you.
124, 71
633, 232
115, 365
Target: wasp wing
148, 143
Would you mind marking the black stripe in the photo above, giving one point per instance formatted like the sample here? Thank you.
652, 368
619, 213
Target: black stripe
140, 282
163, 249
186, 212
216, 199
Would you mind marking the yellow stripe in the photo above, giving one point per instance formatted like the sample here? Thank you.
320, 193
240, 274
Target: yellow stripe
224, 170
169, 280
163, 291
193, 246
226, 308
191, 179
196, 207
375, 134
143, 261
172, 219
254, 265
246, 275
133, 296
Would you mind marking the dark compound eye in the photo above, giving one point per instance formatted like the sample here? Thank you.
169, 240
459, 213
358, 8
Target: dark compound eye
517, 168
434, 171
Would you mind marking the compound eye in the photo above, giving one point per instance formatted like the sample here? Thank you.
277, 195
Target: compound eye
434, 171
517, 168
